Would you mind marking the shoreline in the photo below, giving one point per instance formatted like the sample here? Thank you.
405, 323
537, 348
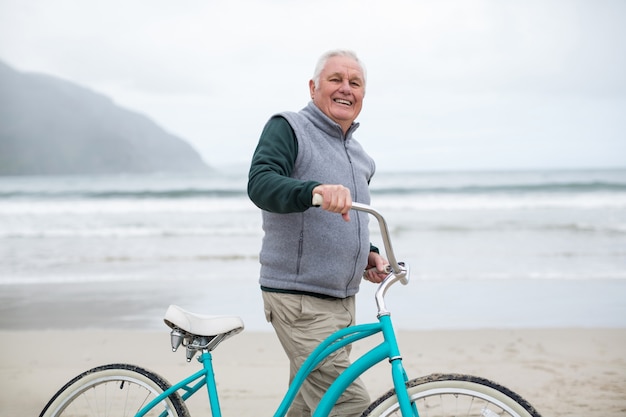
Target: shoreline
422, 305
561, 371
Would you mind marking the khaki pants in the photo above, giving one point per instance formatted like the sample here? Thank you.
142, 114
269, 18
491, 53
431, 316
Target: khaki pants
301, 322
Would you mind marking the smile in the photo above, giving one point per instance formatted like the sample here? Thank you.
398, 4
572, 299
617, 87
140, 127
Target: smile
342, 101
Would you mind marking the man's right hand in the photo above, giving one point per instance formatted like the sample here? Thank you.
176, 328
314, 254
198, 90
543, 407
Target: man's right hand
336, 199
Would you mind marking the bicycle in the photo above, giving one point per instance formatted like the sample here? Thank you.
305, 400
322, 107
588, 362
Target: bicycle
129, 390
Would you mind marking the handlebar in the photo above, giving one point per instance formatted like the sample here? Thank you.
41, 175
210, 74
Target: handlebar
399, 271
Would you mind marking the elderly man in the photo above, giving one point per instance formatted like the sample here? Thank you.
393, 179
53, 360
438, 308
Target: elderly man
312, 260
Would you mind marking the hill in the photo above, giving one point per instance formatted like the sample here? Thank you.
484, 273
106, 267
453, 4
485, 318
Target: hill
49, 126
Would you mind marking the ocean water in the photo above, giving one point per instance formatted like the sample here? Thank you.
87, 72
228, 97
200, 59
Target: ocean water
486, 249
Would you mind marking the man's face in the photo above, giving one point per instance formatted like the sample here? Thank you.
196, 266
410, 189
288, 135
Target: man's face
340, 92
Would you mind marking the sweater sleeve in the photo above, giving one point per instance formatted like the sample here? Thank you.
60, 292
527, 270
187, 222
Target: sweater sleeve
270, 186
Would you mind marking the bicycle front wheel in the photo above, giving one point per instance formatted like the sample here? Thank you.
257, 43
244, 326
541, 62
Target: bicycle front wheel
114, 390
448, 395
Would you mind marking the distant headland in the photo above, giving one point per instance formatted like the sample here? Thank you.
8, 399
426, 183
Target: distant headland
49, 126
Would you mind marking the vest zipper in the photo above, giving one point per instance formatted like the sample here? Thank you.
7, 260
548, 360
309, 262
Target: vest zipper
355, 214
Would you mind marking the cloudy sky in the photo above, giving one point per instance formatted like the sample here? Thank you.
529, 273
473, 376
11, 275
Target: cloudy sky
486, 84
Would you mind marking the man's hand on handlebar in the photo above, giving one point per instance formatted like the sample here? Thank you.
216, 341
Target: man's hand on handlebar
336, 199
377, 268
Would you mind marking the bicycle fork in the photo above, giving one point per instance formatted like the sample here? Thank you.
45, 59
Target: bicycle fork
398, 374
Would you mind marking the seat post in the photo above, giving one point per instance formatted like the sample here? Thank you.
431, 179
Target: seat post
206, 358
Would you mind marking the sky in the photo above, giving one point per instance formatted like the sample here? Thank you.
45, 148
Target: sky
451, 84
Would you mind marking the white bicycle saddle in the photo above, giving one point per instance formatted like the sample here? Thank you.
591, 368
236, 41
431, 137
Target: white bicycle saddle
200, 325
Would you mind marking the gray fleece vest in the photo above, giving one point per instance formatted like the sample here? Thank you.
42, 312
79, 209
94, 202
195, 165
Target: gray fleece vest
317, 251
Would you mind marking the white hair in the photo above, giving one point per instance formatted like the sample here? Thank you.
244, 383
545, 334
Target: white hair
321, 63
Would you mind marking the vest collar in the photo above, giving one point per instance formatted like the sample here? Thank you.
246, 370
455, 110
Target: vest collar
325, 123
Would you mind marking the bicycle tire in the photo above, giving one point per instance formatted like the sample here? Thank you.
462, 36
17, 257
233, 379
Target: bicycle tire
446, 395
120, 389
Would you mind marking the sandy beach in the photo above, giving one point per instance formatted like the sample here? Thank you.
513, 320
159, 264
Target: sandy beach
562, 372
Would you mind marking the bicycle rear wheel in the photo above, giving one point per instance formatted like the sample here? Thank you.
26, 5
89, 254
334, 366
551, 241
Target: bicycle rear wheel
447, 395
114, 390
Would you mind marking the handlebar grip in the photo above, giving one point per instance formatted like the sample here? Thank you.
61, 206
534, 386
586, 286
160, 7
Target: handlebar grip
317, 200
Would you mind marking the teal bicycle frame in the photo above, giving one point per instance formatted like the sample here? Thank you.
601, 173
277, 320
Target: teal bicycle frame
387, 349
